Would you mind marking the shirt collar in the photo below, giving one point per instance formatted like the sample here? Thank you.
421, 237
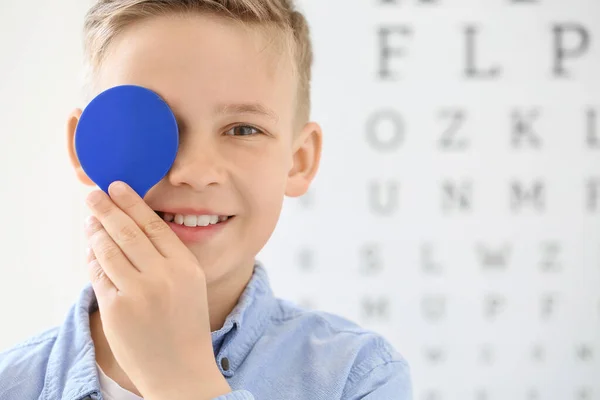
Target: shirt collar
72, 373
246, 322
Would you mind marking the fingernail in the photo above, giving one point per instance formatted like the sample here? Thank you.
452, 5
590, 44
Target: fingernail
90, 221
94, 198
118, 187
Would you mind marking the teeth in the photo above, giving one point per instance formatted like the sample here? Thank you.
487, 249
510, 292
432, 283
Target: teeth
194, 220
179, 219
190, 220
204, 220
168, 217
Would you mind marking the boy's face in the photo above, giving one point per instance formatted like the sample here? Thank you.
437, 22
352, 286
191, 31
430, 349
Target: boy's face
233, 159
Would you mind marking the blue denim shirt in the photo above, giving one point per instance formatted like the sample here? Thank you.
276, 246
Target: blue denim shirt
268, 348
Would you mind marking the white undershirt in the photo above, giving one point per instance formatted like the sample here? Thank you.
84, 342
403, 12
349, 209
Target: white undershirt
111, 389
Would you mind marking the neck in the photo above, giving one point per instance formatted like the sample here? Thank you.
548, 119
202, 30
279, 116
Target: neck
223, 295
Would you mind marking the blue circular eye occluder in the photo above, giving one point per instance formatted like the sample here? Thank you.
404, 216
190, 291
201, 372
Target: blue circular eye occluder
127, 133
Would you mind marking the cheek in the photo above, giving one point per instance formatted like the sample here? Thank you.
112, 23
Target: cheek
261, 187
264, 177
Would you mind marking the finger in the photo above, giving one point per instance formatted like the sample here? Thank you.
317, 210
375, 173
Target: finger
89, 255
154, 227
123, 230
103, 286
110, 257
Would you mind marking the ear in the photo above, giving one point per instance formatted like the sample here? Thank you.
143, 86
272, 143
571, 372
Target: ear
71, 128
306, 158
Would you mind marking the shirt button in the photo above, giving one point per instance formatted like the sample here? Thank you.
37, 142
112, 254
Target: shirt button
225, 363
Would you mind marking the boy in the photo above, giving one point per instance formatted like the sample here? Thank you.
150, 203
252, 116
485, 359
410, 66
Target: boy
177, 307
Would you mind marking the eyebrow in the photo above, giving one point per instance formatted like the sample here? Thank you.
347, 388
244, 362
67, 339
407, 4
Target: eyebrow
247, 108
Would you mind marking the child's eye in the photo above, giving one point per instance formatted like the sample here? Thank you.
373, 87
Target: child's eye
243, 130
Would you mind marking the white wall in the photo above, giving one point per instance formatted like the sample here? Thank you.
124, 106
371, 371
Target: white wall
526, 327
41, 269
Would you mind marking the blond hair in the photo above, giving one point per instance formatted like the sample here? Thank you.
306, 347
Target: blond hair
106, 19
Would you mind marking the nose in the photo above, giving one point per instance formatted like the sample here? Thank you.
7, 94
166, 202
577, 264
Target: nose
197, 165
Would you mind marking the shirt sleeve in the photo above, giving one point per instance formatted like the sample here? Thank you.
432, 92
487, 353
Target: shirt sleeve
388, 381
236, 395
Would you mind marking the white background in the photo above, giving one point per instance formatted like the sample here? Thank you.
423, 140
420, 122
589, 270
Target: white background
333, 250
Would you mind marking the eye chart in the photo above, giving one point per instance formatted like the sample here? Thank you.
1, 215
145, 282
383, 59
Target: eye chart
457, 208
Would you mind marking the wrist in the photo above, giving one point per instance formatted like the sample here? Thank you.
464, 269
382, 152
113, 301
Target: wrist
206, 384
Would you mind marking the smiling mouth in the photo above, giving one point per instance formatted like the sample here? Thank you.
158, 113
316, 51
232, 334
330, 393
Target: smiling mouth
194, 220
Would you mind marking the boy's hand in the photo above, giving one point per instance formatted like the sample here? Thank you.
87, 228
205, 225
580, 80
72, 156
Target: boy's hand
152, 298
